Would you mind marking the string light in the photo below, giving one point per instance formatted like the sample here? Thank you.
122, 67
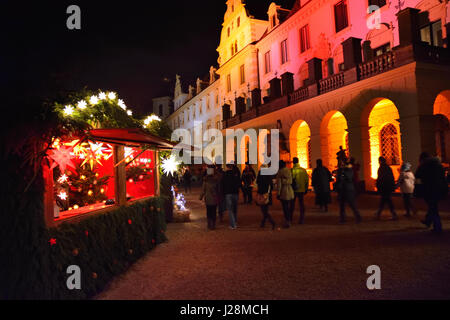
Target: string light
68, 110
82, 105
151, 118
111, 95
63, 178
62, 195
102, 96
130, 113
122, 104
93, 100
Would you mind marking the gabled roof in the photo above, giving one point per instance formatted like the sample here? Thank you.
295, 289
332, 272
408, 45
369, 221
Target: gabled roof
259, 8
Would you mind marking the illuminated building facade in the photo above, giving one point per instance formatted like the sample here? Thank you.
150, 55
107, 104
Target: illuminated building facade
332, 73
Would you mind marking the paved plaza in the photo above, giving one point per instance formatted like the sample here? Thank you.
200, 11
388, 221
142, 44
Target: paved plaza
318, 260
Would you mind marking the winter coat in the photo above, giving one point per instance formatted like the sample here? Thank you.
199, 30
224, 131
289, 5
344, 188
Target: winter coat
321, 178
284, 184
248, 176
430, 179
264, 182
406, 181
231, 182
344, 183
210, 190
301, 178
385, 180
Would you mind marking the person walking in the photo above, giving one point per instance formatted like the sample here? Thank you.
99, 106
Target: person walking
385, 186
210, 193
321, 178
265, 186
187, 179
221, 198
341, 157
356, 168
346, 192
300, 184
406, 182
285, 193
231, 183
432, 186
248, 177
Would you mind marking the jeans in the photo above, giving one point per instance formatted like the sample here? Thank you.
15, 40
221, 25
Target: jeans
211, 215
300, 196
288, 206
350, 200
386, 199
266, 215
232, 203
432, 216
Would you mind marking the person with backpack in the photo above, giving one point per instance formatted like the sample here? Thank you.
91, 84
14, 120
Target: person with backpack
385, 187
300, 185
285, 192
346, 191
432, 186
265, 186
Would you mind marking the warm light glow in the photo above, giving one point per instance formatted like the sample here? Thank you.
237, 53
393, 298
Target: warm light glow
383, 113
170, 165
151, 118
90, 193
68, 110
122, 104
299, 139
102, 96
63, 178
130, 113
75, 207
93, 100
111, 95
333, 134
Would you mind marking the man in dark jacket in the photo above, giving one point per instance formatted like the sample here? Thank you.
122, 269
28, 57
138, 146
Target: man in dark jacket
346, 191
248, 177
432, 187
231, 182
385, 186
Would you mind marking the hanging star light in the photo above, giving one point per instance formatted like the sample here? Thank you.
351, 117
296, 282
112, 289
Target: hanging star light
63, 178
170, 165
130, 113
122, 104
62, 158
68, 110
111, 95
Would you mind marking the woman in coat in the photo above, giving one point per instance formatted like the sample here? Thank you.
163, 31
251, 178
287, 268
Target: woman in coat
210, 193
321, 178
265, 187
406, 182
285, 192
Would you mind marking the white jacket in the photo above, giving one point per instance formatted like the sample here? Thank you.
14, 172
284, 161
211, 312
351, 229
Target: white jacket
406, 181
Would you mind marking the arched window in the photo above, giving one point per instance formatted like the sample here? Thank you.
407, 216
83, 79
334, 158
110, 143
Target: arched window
389, 144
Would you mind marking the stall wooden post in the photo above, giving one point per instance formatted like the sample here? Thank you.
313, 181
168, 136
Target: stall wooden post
156, 173
49, 199
120, 183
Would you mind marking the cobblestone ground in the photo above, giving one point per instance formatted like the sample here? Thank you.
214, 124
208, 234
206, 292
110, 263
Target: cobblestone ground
318, 260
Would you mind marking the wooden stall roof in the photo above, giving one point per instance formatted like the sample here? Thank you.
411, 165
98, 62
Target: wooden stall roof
130, 137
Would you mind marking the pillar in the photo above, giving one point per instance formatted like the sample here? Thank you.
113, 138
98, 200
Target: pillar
367, 51
287, 81
407, 26
352, 52
120, 178
357, 149
315, 71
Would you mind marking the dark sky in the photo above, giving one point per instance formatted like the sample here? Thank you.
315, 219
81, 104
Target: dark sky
125, 46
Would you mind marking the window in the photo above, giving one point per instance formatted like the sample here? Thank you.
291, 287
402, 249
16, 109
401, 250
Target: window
382, 50
235, 47
379, 3
284, 52
304, 39
432, 34
238, 22
160, 109
242, 74
340, 15
228, 83
389, 144
229, 31
267, 66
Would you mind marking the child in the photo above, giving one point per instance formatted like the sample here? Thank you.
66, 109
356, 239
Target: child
406, 182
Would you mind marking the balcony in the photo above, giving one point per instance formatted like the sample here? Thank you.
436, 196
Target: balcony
399, 56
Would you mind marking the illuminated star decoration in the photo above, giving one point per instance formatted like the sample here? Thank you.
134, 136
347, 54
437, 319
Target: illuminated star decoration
63, 178
151, 118
82, 105
62, 195
68, 110
52, 241
170, 165
62, 158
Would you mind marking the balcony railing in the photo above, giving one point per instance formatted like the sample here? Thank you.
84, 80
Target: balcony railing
420, 52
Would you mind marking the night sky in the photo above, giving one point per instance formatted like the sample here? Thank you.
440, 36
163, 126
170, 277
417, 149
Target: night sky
132, 47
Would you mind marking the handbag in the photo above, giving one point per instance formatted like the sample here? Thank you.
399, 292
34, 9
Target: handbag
262, 199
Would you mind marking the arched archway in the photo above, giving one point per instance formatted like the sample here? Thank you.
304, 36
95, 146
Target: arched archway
381, 118
333, 134
300, 143
441, 111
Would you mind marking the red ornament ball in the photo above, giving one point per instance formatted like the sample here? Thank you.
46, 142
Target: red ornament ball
75, 252
129, 221
94, 275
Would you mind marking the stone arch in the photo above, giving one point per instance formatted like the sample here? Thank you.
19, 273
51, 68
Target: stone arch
333, 134
379, 113
300, 142
441, 112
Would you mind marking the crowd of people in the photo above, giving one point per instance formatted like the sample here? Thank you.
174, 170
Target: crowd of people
220, 189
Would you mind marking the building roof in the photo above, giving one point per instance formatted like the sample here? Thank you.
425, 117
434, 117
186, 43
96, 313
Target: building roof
258, 9
130, 137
